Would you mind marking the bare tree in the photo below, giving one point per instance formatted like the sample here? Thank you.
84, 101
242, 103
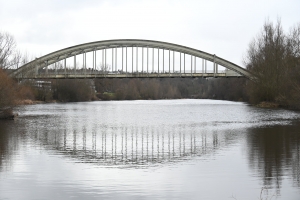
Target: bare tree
8, 54
292, 88
274, 58
103, 68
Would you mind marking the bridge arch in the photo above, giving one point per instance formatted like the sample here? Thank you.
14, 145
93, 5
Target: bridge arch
62, 54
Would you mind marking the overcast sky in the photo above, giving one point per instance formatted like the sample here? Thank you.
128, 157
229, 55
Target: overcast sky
221, 27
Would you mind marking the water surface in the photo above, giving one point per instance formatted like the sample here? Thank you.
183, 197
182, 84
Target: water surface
165, 149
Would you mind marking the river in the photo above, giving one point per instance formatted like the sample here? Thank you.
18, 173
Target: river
163, 149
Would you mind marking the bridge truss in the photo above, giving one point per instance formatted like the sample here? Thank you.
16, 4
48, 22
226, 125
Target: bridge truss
128, 58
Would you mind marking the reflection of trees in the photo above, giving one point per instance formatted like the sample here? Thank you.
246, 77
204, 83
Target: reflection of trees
274, 152
3, 144
8, 143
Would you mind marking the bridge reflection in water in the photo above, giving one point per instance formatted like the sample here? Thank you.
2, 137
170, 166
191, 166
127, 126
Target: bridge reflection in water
132, 145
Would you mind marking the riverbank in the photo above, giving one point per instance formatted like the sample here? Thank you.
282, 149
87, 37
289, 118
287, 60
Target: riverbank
266, 104
7, 114
8, 117
31, 102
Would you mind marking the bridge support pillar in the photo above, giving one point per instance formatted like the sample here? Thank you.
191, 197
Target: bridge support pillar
152, 60
183, 62
163, 61
112, 59
94, 63
116, 64
158, 61
202, 67
191, 65
84, 64
137, 60
214, 65
173, 61
75, 66
147, 60
65, 66
55, 66
36, 70
122, 59
142, 60
46, 63
169, 63
105, 65
195, 64
180, 62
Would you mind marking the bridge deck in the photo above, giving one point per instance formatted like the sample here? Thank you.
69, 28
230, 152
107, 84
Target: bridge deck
130, 75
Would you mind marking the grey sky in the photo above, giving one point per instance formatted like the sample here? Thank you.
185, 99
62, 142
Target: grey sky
223, 27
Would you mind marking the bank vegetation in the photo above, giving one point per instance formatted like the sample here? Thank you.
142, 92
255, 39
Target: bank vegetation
10, 92
274, 58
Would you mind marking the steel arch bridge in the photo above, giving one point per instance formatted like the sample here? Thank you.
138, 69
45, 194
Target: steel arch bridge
147, 59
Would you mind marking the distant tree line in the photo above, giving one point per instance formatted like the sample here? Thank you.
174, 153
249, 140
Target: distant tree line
73, 90
172, 88
61, 90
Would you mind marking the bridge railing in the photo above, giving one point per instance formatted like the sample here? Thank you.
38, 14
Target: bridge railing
90, 73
